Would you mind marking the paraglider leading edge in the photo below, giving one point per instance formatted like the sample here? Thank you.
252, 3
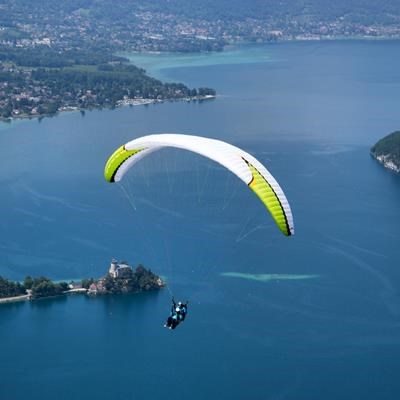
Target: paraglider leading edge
242, 164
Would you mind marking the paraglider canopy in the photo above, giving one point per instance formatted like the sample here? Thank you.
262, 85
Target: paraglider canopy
242, 164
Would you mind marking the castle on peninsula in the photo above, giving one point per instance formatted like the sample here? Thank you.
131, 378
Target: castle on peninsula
120, 269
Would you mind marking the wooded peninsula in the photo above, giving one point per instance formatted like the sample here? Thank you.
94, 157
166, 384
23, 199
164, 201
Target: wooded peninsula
387, 151
121, 278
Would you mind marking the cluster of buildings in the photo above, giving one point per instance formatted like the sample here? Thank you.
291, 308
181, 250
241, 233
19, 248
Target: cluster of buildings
116, 270
21, 96
338, 28
66, 34
144, 30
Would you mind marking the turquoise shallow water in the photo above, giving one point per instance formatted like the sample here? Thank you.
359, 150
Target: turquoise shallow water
310, 113
156, 63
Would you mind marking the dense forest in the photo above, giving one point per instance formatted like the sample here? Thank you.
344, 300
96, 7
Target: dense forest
45, 56
387, 150
39, 287
10, 289
139, 280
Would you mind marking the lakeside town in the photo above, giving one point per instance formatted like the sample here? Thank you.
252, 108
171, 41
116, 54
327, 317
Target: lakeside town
57, 57
120, 278
171, 27
28, 93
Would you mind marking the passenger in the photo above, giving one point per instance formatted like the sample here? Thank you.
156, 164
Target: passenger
177, 315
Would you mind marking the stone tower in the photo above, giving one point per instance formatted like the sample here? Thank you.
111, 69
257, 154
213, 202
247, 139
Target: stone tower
113, 268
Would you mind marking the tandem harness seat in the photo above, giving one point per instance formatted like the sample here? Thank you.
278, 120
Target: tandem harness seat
177, 315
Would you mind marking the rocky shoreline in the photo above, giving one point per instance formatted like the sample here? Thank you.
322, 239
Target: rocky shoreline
387, 151
387, 162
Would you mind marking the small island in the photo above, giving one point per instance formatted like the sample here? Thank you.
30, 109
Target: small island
120, 278
387, 151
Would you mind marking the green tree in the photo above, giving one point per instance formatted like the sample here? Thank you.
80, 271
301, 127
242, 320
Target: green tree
87, 282
28, 282
10, 289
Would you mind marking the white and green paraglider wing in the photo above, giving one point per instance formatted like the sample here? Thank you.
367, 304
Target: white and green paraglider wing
242, 164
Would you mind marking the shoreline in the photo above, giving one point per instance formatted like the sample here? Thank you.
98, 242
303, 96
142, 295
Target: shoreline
146, 101
120, 278
23, 297
386, 163
241, 43
28, 297
119, 104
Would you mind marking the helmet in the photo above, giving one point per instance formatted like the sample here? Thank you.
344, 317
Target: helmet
180, 304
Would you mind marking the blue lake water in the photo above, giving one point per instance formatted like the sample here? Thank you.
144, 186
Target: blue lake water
330, 328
